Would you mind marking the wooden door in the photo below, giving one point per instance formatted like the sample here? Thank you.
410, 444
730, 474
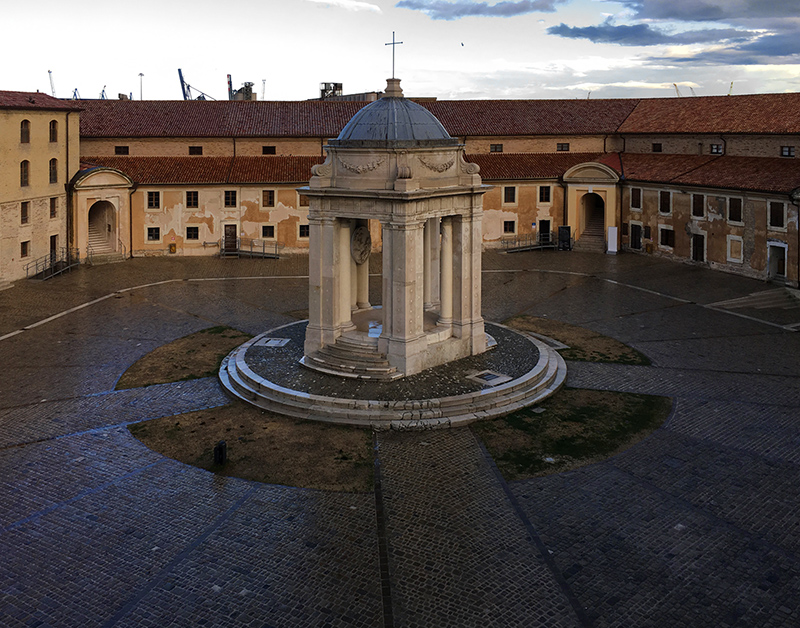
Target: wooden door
229, 243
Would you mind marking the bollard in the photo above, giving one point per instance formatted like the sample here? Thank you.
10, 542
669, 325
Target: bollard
220, 453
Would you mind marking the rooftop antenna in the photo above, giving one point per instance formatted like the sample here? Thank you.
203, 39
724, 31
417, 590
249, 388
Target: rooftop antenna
141, 75
52, 87
394, 45
263, 88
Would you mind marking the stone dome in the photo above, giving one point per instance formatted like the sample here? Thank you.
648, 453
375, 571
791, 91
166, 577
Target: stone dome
393, 121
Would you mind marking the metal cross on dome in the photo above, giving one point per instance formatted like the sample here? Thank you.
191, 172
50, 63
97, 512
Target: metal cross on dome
393, 44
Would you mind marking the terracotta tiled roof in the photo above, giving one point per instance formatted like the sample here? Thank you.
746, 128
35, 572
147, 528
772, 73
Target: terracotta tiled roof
197, 118
509, 166
35, 100
192, 118
209, 170
752, 113
758, 174
531, 117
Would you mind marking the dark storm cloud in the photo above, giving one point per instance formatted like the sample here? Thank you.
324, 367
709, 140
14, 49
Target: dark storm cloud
776, 48
711, 10
644, 34
441, 10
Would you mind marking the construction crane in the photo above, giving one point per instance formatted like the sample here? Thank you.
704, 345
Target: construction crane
103, 93
730, 91
677, 91
186, 90
52, 86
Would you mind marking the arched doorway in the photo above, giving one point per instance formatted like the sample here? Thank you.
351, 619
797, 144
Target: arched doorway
102, 228
593, 221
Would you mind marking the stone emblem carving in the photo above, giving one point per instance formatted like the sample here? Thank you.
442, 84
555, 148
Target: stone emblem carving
361, 169
436, 167
360, 245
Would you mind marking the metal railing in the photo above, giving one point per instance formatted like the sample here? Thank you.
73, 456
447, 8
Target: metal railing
249, 247
530, 241
52, 264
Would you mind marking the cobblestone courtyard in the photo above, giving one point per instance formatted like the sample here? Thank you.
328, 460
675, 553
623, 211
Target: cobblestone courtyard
698, 525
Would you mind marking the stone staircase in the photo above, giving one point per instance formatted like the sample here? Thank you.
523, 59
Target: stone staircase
353, 355
592, 239
100, 250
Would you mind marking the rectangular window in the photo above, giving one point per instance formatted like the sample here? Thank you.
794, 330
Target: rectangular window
302, 200
495, 148
636, 198
25, 248
787, 151
657, 147
195, 150
509, 226
53, 207
562, 146
735, 210
698, 205
624, 228
544, 193
716, 149
192, 199
664, 202
230, 198
24, 212
647, 234
666, 237
192, 233
267, 150
777, 215
153, 200
268, 198
268, 232
510, 194
154, 234
303, 231
121, 150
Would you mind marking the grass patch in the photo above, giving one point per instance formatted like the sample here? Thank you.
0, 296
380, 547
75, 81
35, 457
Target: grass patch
265, 447
191, 357
574, 428
584, 344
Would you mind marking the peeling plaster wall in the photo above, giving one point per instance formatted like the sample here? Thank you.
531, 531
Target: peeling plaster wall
753, 231
526, 210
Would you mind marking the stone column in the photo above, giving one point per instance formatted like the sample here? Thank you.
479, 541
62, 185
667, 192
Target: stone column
433, 226
467, 319
323, 322
343, 274
362, 272
427, 270
386, 287
446, 275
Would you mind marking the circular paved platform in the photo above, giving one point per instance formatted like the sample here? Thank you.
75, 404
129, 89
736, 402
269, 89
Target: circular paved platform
518, 371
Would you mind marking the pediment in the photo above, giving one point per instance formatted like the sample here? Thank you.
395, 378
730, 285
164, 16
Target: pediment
102, 177
591, 172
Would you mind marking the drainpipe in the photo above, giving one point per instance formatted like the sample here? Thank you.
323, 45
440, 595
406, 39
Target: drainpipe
68, 189
130, 218
794, 197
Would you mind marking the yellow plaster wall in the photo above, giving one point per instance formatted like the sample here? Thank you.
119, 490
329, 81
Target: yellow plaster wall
212, 146
535, 143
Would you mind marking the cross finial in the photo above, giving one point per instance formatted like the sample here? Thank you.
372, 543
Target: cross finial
393, 44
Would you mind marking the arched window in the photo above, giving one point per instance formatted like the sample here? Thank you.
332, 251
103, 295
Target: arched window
53, 130
23, 173
54, 170
24, 132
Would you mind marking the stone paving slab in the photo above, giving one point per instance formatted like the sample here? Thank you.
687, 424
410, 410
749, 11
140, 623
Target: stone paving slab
458, 553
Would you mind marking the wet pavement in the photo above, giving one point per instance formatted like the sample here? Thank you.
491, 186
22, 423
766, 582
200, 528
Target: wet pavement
697, 525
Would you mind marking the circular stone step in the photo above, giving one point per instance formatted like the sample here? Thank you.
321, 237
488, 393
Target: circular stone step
519, 371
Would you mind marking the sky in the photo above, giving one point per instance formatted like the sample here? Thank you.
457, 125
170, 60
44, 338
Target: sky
451, 49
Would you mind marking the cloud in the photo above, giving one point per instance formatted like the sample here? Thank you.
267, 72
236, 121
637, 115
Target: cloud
645, 34
775, 48
442, 10
350, 5
710, 10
